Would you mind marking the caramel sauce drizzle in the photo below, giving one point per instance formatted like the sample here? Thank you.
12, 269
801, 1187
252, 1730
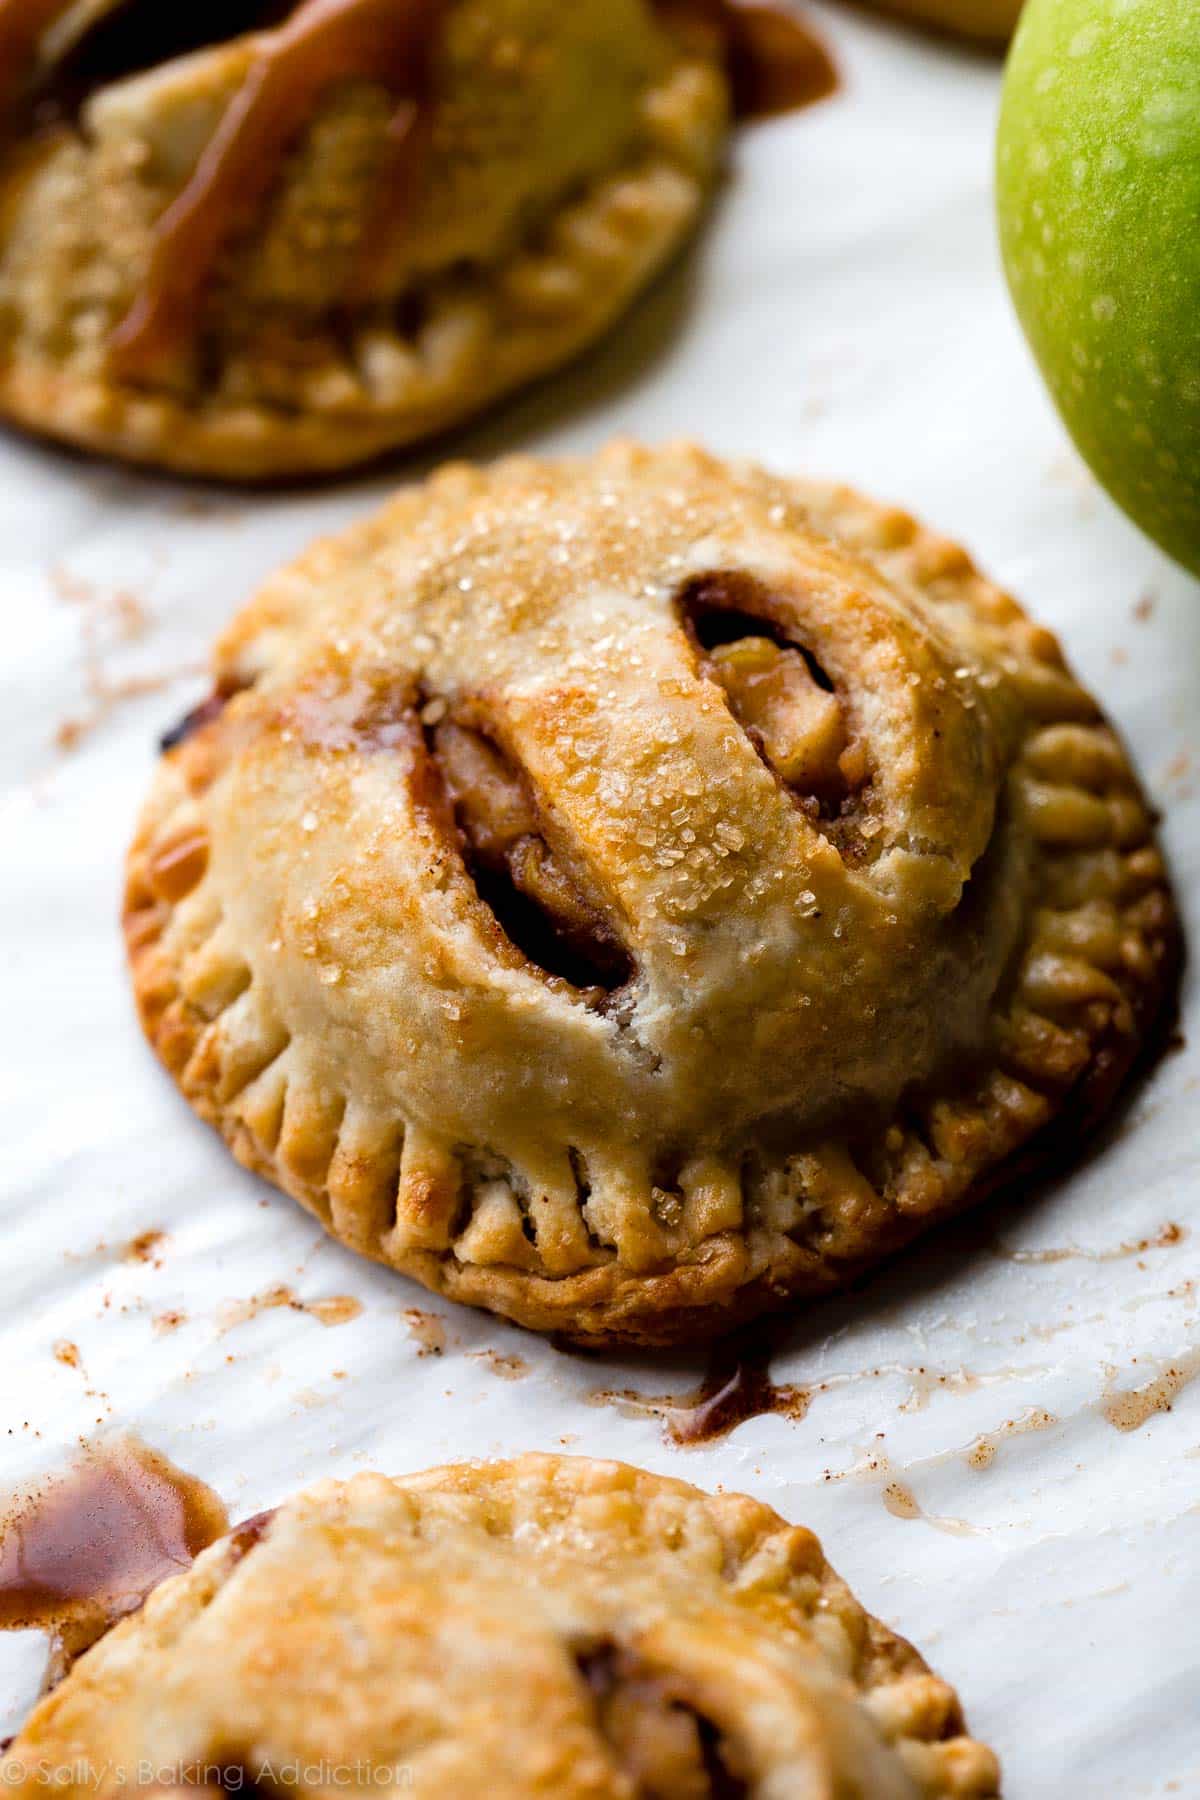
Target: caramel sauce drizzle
775, 64
736, 1385
324, 43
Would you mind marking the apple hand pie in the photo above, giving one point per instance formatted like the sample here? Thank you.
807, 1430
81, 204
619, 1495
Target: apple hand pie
632, 893
252, 238
549, 1626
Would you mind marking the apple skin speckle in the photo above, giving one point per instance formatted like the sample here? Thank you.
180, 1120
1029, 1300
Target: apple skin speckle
1098, 192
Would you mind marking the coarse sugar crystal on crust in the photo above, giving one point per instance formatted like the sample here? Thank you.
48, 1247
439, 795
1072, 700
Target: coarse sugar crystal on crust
636, 893
548, 1626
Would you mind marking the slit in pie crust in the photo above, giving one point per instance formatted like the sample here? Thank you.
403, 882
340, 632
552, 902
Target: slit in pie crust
548, 1626
632, 894
256, 238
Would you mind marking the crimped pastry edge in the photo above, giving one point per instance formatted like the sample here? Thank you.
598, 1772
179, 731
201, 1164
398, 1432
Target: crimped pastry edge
923, 1712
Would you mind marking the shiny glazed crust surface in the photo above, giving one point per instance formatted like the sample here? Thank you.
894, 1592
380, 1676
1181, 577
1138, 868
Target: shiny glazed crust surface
570, 151
633, 893
563, 1626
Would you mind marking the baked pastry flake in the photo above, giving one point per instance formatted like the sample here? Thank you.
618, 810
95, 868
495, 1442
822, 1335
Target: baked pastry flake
630, 894
549, 1626
268, 237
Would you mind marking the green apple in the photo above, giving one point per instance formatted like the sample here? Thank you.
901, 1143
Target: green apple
1098, 175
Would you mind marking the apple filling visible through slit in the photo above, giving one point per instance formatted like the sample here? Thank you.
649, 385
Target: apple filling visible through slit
799, 725
784, 701
668, 1749
538, 903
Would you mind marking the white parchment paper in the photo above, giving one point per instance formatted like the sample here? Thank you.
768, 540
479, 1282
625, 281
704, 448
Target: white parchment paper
844, 314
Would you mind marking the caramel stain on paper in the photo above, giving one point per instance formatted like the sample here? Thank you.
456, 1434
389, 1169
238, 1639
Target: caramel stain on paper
927, 1382
1127, 1409
508, 1368
901, 1502
85, 1547
899, 1498
736, 1386
981, 1454
776, 63
427, 1331
146, 1247
336, 1309
1165, 1238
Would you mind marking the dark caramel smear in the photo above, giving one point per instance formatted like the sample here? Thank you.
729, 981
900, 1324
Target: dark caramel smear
736, 1386
324, 43
86, 1548
541, 906
668, 1749
776, 63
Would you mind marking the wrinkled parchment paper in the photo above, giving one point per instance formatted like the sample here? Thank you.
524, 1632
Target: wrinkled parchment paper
844, 314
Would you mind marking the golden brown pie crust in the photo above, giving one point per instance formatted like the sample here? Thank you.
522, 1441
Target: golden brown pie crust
630, 894
549, 1626
569, 152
